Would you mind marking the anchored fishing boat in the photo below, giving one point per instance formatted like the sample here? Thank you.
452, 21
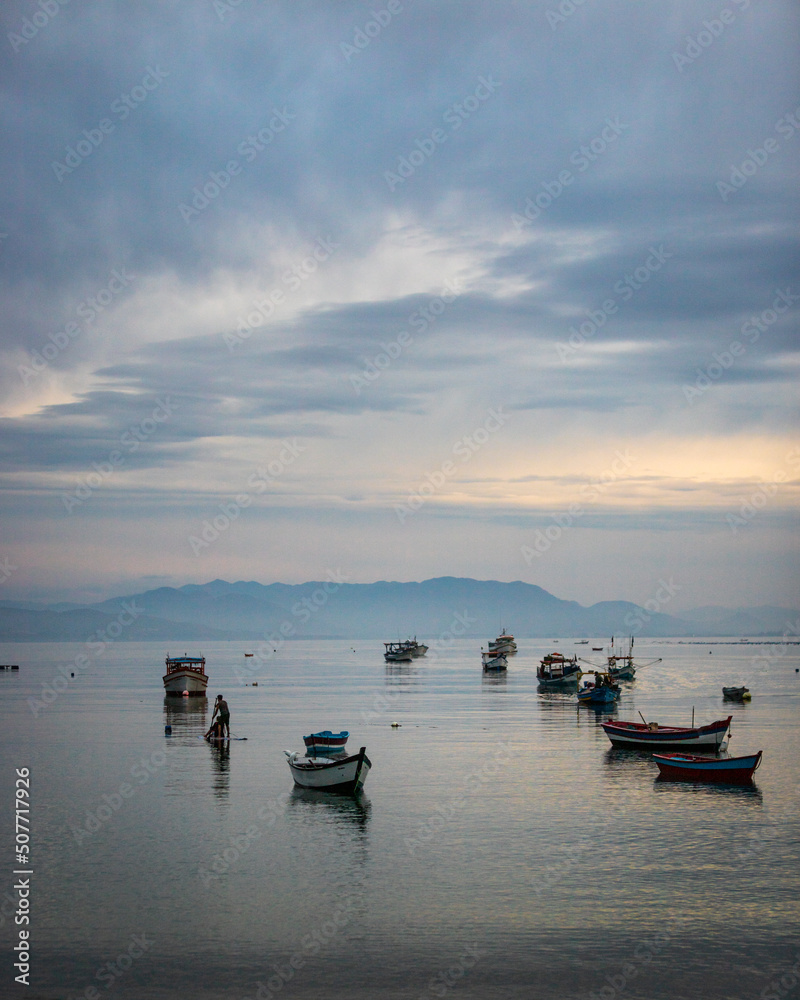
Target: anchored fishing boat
397, 652
330, 774
619, 661
493, 660
736, 694
504, 643
557, 671
688, 767
601, 691
185, 676
652, 736
325, 743
416, 648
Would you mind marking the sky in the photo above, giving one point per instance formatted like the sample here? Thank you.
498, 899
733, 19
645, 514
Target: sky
398, 290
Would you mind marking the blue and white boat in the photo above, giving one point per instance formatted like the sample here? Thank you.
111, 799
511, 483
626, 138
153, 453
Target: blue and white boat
325, 743
601, 691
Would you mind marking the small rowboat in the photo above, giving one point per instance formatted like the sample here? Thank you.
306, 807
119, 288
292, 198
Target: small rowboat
330, 774
601, 691
325, 742
652, 736
736, 694
688, 767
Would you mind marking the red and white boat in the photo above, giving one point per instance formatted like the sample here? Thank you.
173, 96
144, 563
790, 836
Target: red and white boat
186, 676
652, 736
687, 767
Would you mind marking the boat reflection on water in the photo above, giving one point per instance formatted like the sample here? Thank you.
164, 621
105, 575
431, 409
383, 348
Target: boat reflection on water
185, 716
494, 679
749, 793
346, 816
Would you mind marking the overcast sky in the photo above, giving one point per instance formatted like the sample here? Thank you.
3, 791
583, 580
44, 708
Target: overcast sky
494, 289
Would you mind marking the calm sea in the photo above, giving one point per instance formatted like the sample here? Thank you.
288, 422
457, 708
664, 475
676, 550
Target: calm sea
501, 847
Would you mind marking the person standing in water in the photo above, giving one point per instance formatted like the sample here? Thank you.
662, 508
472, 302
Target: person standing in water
223, 717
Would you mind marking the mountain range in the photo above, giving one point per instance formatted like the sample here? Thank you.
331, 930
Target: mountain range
383, 610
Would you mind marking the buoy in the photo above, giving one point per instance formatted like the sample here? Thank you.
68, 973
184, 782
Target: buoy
185, 694
255, 684
167, 730
395, 725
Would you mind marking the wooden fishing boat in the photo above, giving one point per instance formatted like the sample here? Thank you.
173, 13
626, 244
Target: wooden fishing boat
416, 648
735, 694
330, 774
601, 691
688, 767
504, 643
325, 742
397, 652
557, 671
185, 676
652, 736
493, 660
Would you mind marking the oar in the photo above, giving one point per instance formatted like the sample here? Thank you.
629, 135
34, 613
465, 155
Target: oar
642, 718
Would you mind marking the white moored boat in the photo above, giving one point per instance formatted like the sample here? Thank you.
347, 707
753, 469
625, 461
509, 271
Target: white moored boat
493, 660
331, 774
186, 676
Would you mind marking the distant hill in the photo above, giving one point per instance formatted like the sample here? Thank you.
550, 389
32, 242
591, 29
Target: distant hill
383, 610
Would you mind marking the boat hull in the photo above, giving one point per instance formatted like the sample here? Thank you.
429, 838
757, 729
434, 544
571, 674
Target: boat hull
178, 681
726, 770
566, 681
598, 696
639, 735
735, 694
346, 774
